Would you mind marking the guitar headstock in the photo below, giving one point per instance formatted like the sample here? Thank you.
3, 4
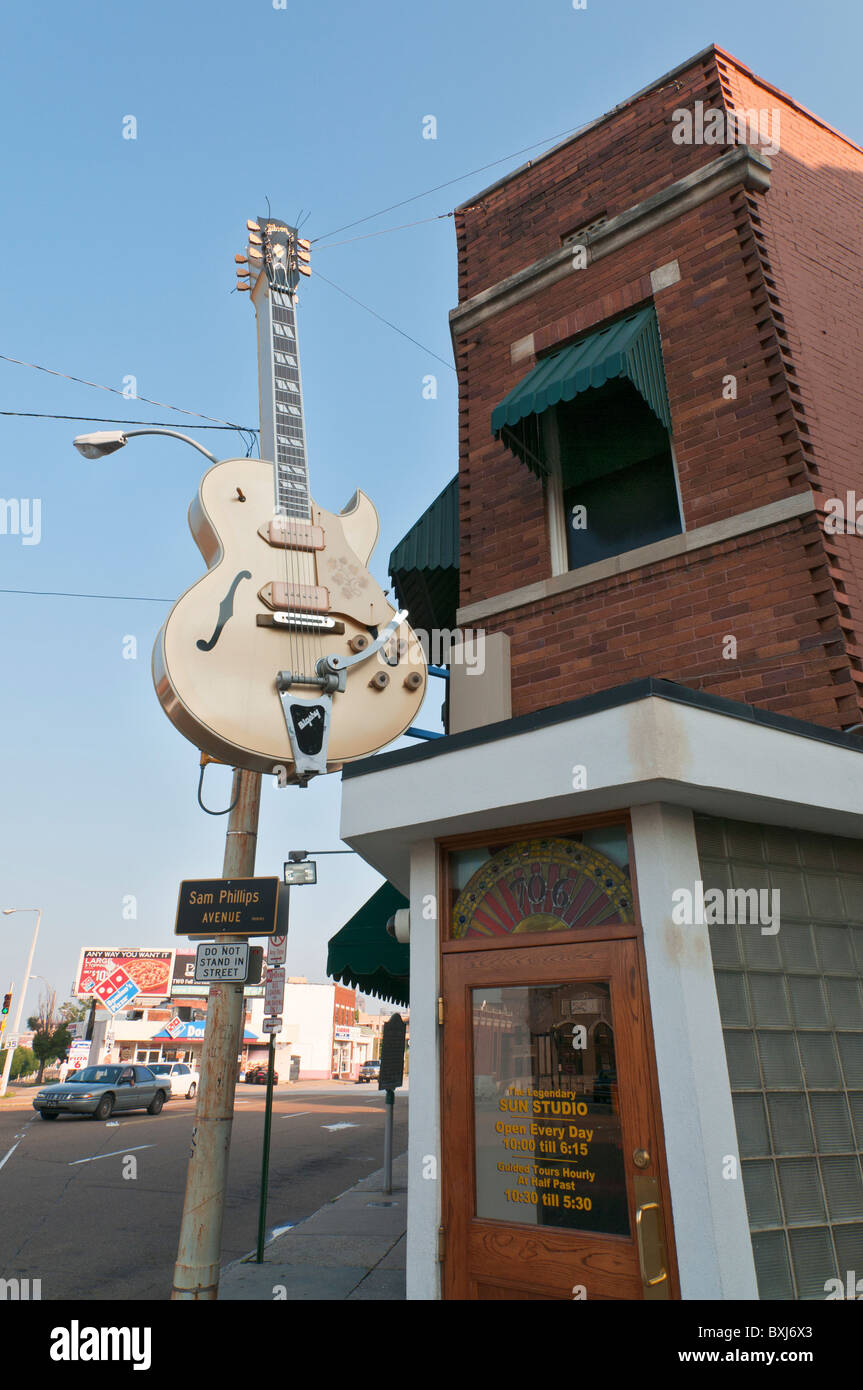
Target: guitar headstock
275, 250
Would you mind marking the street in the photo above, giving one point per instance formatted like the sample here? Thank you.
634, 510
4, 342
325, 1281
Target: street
93, 1209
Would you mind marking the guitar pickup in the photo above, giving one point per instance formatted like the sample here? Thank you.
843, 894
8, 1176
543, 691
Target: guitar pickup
288, 534
305, 622
290, 598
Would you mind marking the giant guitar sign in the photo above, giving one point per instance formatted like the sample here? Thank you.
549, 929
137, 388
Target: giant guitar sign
286, 656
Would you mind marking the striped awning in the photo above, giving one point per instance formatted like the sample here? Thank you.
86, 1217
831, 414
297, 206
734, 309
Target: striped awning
365, 956
629, 348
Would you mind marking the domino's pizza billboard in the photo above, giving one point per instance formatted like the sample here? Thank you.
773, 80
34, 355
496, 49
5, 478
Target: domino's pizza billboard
150, 974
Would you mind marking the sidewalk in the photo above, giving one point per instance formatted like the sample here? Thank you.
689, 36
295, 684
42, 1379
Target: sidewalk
353, 1248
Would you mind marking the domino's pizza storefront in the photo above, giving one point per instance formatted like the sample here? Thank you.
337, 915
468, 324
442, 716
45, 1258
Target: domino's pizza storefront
636, 1007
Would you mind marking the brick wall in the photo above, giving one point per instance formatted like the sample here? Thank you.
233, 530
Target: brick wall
742, 306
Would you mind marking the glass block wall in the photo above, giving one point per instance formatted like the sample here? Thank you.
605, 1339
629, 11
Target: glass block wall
791, 1006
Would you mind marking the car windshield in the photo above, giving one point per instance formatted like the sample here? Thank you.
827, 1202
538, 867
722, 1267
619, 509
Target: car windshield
160, 1068
102, 1075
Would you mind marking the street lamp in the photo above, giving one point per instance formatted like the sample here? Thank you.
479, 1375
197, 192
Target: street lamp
7, 1065
102, 442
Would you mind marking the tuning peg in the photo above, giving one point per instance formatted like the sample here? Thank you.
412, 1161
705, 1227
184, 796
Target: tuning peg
255, 240
303, 244
304, 269
241, 260
252, 226
244, 285
255, 254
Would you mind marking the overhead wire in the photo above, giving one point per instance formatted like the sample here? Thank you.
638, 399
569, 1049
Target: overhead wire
446, 184
115, 390
111, 420
61, 593
376, 315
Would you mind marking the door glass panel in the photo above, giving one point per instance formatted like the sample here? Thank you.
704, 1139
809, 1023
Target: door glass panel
549, 1149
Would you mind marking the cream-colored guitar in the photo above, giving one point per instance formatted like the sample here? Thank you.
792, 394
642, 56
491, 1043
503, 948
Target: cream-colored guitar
287, 654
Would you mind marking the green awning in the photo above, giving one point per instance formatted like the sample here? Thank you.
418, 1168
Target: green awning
629, 348
365, 956
424, 566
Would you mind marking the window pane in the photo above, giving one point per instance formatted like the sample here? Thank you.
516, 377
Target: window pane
851, 1052
807, 1001
769, 1003
742, 1061
549, 1148
843, 1186
846, 1003
813, 1261
801, 1190
762, 1199
832, 1122
819, 1059
622, 511
771, 1264
789, 1121
752, 1136
779, 1059
731, 993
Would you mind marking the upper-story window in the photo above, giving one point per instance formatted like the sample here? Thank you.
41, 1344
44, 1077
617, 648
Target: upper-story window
592, 420
612, 484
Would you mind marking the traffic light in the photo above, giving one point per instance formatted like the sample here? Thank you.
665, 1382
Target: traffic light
7, 1000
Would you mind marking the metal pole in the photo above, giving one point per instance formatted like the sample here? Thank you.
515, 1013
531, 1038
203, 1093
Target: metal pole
196, 1273
16, 1027
388, 1143
265, 1160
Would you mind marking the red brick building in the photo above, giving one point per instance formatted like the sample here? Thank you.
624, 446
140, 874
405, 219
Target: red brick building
635, 861
748, 279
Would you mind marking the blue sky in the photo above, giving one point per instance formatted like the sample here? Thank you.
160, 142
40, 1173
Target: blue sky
119, 262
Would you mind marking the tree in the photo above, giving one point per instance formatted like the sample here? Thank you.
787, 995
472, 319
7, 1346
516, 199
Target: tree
74, 1012
51, 1037
23, 1063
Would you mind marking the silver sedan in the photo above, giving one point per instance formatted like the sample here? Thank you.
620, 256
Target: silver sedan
104, 1091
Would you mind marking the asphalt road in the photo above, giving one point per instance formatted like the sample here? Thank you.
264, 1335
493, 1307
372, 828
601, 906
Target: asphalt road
89, 1232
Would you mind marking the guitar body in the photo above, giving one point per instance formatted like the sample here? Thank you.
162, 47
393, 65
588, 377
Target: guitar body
215, 664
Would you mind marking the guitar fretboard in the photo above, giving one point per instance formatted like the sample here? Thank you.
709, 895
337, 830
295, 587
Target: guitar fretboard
283, 433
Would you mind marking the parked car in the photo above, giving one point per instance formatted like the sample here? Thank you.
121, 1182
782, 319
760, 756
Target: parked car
369, 1071
183, 1078
257, 1076
104, 1091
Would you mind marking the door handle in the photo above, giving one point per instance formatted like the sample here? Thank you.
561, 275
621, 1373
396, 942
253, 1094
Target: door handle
639, 1228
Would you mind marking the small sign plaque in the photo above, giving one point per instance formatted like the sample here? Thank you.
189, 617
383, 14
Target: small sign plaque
227, 906
271, 1025
222, 960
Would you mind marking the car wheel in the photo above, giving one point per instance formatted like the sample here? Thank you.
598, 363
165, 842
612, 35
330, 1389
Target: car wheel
156, 1103
49, 1114
191, 1091
104, 1108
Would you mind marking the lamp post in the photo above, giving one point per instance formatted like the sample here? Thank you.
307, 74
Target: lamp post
102, 442
7, 1065
196, 1273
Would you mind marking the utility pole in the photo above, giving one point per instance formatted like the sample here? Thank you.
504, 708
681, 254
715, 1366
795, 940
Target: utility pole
16, 1027
196, 1273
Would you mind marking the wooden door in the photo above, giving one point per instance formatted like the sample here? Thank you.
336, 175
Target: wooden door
551, 1163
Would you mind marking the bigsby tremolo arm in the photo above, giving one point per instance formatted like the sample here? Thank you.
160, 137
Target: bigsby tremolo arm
308, 718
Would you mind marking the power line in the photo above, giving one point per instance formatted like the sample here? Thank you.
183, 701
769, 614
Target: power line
449, 182
393, 326
109, 420
59, 593
438, 217
115, 390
